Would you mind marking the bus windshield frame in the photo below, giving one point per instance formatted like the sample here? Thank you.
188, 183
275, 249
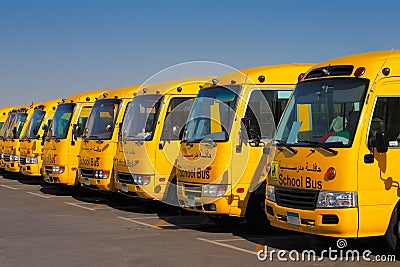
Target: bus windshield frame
142, 116
323, 112
34, 124
99, 123
212, 114
60, 122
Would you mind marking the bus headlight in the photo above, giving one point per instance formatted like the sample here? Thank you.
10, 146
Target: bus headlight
214, 190
31, 160
101, 174
271, 193
141, 179
58, 169
14, 158
329, 199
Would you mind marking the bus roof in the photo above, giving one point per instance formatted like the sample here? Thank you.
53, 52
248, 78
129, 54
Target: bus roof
120, 93
48, 104
86, 97
274, 74
367, 65
181, 86
4, 111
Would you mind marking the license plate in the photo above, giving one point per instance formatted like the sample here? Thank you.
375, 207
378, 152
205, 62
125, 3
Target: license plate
87, 182
190, 201
293, 218
125, 188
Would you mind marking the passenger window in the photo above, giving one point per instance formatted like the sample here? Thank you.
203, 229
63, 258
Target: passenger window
263, 112
176, 117
386, 118
83, 117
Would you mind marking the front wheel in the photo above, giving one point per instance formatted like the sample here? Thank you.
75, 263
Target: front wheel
255, 212
392, 234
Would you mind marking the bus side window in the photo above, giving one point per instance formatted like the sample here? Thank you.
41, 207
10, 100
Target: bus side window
175, 122
386, 118
83, 117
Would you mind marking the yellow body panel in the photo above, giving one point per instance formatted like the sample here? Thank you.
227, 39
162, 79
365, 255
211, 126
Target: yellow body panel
235, 164
60, 155
12, 145
4, 119
33, 147
154, 158
374, 183
97, 154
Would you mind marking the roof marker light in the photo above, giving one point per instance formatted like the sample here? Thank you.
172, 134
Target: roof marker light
359, 71
386, 71
179, 89
87, 98
261, 78
214, 81
301, 76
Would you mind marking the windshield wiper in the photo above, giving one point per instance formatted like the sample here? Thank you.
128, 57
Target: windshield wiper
288, 147
320, 145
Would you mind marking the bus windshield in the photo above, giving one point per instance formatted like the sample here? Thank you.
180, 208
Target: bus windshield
6, 127
62, 121
17, 125
142, 117
323, 112
212, 114
101, 122
34, 124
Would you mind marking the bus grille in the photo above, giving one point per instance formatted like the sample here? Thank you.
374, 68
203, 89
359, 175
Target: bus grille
7, 158
89, 173
22, 160
193, 190
125, 178
296, 198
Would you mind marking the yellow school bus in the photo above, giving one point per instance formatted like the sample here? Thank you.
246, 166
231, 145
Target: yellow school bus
32, 140
335, 170
63, 141
13, 135
100, 140
149, 143
6, 117
227, 142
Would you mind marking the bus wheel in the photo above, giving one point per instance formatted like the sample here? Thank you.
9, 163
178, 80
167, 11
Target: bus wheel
225, 220
392, 234
255, 214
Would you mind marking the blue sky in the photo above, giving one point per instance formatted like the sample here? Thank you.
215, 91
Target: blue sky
54, 48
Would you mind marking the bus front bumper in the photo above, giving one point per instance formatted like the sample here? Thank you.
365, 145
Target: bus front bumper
326, 222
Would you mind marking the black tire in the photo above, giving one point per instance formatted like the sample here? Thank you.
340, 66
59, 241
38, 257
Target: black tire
392, 232
255, 214
225, 220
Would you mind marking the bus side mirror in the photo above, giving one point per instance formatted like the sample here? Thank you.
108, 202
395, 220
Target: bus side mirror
381, 143
75, 132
